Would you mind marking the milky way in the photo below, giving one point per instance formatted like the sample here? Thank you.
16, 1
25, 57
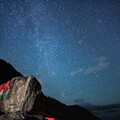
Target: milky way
71, 46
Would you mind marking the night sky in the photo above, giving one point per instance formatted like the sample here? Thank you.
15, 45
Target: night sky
71, 46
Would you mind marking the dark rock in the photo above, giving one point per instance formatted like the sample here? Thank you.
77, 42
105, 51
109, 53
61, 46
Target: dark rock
50, 107
7, 72
28, 117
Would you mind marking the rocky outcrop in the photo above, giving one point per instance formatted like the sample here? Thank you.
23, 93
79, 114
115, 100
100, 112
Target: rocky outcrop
27, 117
43, 105
48, 106
7, 72
18, 95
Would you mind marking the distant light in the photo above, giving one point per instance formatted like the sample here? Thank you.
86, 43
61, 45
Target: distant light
49, 118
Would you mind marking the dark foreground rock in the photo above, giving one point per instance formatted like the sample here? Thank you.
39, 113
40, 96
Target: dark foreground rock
28, 117
46, 106
7, 72
50, 107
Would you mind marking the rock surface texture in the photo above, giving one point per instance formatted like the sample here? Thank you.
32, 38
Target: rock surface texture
20, 95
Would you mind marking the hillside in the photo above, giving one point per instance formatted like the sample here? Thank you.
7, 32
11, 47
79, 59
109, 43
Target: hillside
44, 105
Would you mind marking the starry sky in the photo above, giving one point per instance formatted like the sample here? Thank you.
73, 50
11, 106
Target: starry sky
71, 46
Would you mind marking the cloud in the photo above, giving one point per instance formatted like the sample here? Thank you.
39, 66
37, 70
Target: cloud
104, 112
82, 102
75, 72
102, 64
92, 107
106, 107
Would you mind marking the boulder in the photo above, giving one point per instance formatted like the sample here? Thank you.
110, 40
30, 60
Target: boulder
18, 95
